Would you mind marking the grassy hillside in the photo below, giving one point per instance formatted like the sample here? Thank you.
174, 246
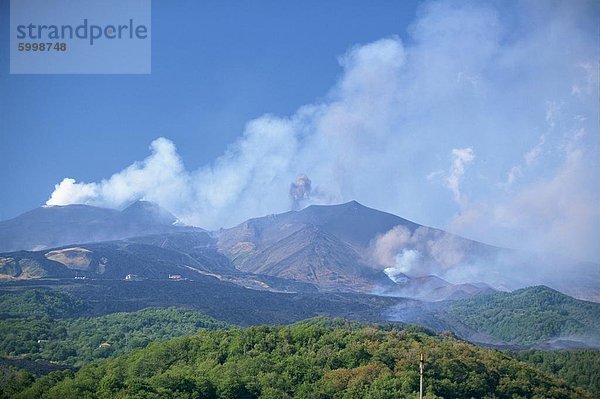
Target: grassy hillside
530, 315
307, 360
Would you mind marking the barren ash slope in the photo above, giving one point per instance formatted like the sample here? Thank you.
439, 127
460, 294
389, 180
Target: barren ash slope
353, 247
332, 248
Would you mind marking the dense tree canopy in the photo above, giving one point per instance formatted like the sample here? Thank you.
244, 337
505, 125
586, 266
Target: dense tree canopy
42, 330
529, 315
77, 341
578, 367
40, 302
308, 360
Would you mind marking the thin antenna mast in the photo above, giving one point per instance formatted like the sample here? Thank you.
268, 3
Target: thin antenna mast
421, 368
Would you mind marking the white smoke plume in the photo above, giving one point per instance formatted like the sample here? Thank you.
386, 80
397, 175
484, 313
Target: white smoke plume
159, 178
464, 79
453, 177
529, 159
407, 261
462, 156
401, 253
422, 252
388, 245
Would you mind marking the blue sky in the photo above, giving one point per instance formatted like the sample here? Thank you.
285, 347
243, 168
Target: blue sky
215, 65
476, 117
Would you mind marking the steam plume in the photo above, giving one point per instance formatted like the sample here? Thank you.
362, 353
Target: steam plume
422, 252
463, 81
462, 156
406, 263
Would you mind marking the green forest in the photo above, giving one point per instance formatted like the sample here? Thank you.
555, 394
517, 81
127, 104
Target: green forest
77, 341
307, 360
181, 353
34, 326
578, 367
528, 315
40, 302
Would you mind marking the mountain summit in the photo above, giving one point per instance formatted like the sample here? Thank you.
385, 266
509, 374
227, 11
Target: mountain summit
330, 246
344, 248
53, 226
351, 247
148, 212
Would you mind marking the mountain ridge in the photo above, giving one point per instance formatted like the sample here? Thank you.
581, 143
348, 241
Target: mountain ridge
54, 226
345, 247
